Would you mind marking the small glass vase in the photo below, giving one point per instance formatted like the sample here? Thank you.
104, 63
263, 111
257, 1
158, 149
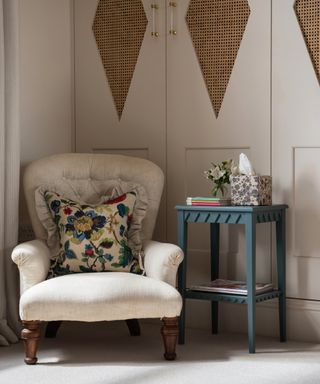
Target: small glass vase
225, 194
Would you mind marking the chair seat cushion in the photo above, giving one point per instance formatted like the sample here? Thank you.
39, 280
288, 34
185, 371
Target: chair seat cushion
98, 297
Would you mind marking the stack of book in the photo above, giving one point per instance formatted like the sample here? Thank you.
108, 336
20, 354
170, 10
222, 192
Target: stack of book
208, 201
231, 287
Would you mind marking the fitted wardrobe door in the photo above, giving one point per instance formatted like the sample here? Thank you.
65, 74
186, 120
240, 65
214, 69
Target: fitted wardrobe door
296, 138
218, 106
120, 79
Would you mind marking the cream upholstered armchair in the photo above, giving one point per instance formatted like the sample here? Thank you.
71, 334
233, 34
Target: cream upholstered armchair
98, 296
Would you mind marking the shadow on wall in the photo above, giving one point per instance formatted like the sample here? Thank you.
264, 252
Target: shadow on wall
25, 229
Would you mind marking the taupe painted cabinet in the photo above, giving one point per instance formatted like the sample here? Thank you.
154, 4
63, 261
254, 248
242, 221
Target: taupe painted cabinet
270, 111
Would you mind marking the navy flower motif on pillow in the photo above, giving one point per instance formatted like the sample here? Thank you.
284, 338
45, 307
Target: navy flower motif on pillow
92, 238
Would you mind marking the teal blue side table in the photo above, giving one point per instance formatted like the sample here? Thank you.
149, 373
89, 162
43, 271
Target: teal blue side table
250, 216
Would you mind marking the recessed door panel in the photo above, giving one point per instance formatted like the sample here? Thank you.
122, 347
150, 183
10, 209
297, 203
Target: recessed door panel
120, 98
296, 139
197, 134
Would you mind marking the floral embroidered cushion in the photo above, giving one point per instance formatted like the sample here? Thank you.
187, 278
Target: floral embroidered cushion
92, 238
95, 194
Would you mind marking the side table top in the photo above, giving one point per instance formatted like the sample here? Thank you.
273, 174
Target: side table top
233, 208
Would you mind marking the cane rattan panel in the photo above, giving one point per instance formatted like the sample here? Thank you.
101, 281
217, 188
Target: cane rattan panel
217, 28
119, 27
308, 13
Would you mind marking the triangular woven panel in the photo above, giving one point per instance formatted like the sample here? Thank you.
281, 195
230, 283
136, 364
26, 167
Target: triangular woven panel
308, 14
217, 28
119, 27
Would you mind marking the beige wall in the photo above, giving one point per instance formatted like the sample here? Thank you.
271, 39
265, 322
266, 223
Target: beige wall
46, 78
46, 83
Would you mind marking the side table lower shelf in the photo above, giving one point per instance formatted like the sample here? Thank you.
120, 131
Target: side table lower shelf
215, 297
239, 299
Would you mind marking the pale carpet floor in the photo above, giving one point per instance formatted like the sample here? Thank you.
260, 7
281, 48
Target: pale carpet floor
105, 354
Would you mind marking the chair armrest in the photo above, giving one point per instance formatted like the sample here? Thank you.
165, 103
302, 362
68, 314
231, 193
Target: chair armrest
33, 261
161, 261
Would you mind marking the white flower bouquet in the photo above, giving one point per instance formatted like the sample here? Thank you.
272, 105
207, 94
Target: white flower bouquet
220, 174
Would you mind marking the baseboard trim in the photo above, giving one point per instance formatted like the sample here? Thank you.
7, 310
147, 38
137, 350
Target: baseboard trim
303, 319
295, 304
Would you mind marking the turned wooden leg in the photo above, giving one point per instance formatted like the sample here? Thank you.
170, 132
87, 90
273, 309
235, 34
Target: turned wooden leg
52, 329
170, 332
134, 327
30, 335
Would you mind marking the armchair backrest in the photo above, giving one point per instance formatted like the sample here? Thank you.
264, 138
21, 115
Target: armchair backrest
88, 176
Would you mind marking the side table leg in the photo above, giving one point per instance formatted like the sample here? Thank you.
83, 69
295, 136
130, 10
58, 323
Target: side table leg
214, 239
214, 317
251, 279
182, 272
281, 270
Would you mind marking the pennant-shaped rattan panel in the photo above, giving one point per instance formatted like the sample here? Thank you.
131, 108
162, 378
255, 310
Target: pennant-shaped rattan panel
119, 27
308, 14
217, 28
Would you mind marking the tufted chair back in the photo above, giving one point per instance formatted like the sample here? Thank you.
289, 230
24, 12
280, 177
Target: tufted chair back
89, 176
